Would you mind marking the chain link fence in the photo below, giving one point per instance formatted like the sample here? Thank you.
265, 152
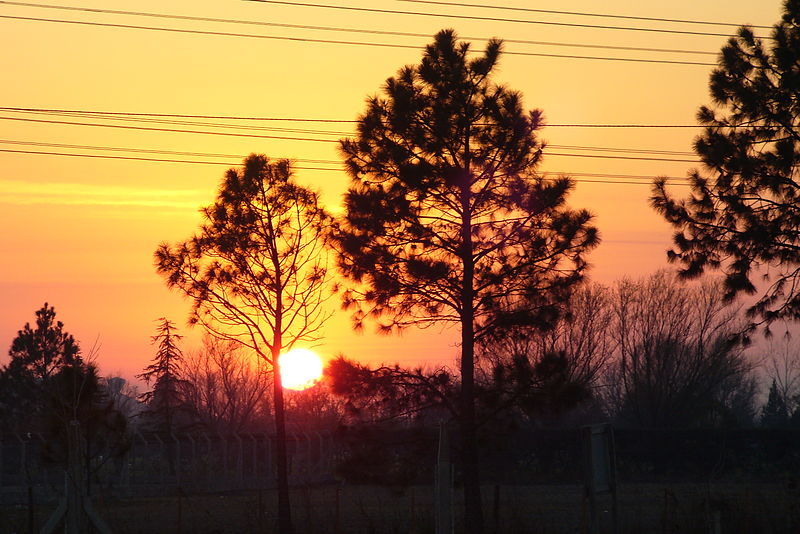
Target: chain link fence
155, 464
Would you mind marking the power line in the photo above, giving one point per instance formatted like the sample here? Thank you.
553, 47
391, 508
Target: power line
285, 138
621, 149
224, 117
141, 117
147, 150
328, 161
232, 164
125, 118
583, 14
488, 19
332, 41
160, 160
171, 130
295, 119
343, 29
598, 156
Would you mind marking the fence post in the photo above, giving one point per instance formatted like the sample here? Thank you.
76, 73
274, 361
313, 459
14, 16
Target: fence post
255, 458
23, 455
193, 462
145, 449
161, 455
444, 485
226, 475
268, 445
210, 455
177, 459
239, 460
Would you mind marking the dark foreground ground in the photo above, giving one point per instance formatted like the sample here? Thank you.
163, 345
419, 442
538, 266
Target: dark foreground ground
552, 509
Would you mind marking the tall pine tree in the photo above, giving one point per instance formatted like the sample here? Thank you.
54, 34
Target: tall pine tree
447, 220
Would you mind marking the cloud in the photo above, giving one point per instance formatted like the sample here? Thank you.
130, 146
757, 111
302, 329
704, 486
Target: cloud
72, 194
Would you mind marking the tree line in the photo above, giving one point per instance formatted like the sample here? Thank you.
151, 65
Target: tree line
448, 221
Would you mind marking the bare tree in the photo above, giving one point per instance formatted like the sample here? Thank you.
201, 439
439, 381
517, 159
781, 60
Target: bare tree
225, 389
582, 332
256, 274
561, 366
679, 359
783, 368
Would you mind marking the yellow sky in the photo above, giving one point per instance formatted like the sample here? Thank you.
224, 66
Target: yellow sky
80, 232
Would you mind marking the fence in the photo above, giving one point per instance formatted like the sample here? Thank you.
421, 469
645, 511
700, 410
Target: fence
155, 464
669, 481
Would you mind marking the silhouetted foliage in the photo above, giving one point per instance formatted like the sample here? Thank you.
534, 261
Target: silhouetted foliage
391, 392
48, 386
387, 454
256, 274
447, 220
36, 355
775, 413
743, 218
534, 391
315, 409
165, 401
76, 394
553, 373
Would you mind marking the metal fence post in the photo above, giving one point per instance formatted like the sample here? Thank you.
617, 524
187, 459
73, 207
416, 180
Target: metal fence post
177, 458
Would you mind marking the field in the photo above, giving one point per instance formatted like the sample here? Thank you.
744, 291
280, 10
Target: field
545, 509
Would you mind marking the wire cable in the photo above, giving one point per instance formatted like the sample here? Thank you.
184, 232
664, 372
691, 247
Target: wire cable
331, 41
148, 151
287, 138
224, 117
583, 14
295, 119
237, 164
171, 130
488, 19
342, 29
171, 121
328, 161
598, 156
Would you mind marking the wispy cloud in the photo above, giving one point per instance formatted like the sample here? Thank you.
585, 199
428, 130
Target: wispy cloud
72, 194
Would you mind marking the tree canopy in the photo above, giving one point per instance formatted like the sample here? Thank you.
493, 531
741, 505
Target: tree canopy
743, 212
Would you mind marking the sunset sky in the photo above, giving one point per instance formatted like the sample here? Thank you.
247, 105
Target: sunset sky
79, 232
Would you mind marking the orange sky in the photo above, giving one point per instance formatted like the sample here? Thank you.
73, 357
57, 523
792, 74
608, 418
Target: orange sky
80, 232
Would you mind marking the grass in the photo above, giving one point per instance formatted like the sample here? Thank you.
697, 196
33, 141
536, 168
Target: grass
546, 509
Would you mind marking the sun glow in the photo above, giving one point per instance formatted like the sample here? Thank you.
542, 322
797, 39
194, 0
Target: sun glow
300, 369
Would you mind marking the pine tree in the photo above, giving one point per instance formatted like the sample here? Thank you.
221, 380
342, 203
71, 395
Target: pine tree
743, 211
448, 221
256, 274
165, 400
37, 355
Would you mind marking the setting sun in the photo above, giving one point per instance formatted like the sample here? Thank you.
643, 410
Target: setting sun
300, 369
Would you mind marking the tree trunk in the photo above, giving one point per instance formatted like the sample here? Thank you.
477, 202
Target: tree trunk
284, 510
473, 510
